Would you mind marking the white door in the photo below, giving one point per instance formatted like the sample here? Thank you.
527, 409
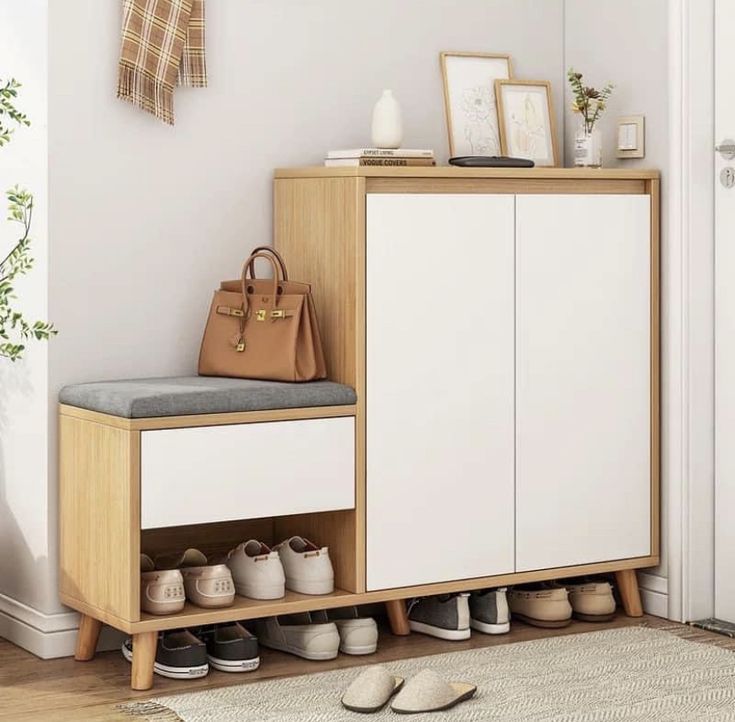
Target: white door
440, 312
583, 379
724, 318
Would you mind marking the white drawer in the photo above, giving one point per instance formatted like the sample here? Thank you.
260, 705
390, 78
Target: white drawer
246, 471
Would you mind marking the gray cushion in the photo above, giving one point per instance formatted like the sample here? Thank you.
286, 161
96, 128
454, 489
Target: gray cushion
185, 395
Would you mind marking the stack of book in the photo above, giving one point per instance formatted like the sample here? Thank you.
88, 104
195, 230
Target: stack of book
400, 157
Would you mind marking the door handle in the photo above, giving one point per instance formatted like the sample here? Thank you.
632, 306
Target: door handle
726, 149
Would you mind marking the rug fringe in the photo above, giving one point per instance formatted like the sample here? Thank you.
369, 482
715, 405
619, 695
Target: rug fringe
151, 711
693, 634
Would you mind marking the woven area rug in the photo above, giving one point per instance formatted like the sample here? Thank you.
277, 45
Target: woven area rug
634, 673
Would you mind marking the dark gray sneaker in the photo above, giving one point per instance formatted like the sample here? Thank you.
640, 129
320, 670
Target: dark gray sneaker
489, 612
446, 616
230, 647
179, 655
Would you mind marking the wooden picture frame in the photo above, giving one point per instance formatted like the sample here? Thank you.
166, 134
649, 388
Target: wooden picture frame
469, 100
517, 138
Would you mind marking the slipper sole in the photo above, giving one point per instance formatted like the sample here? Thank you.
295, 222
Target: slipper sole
543, 623
594, 617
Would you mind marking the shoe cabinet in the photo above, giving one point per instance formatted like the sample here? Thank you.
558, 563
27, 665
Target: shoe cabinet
501, 330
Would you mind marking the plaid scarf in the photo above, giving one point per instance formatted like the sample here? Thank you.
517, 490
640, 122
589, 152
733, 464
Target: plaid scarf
162, 44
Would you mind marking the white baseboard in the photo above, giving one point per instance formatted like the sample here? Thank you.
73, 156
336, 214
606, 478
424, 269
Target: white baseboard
48, 636
654, 594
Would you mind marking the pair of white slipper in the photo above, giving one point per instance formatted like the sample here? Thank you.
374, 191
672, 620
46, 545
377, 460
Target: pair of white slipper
425, 692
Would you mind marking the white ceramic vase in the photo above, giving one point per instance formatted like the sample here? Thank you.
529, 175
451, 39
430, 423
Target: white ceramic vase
387, 129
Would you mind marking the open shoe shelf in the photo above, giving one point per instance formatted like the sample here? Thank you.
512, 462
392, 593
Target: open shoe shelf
242, 609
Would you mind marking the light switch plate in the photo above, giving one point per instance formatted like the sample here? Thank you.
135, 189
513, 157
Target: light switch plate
631, 137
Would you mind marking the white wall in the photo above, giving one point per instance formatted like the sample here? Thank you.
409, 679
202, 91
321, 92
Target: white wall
626, 42
146, 219
25, 569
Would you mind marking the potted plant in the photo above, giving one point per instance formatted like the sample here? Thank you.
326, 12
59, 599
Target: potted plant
589, 103
15, 329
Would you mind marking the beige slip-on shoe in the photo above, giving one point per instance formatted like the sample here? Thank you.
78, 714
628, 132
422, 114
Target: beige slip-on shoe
357, 634
257, 571
541, 606
207, 585
591, 600
428, 692
308, 567
298, 634
161, 592
371, 690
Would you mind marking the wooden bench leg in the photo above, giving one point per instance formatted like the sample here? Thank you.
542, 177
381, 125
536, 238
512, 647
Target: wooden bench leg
398, 617
144, 655
629, 593
87, 636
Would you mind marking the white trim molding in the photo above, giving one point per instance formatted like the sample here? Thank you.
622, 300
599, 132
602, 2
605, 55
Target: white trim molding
688, 314
48, 636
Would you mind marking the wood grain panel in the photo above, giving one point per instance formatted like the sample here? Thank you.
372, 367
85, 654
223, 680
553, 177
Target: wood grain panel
505, 185
655, 193
214, 540
100, 516
319, 227
251, 609
448, 171
181, 422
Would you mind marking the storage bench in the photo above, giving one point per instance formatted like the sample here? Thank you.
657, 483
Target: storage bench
158, 465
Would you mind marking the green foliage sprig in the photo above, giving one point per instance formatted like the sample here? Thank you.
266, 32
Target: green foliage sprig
588, 102
8, 112
15, 330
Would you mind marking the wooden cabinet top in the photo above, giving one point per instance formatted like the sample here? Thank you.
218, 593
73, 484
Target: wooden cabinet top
448, 171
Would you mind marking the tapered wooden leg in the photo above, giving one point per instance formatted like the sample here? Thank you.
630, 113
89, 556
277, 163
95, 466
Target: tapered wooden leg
398, 617
144, 655
87, 636
629, 593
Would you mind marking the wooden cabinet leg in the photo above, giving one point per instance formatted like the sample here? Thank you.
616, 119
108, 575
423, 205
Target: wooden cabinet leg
144, 655
398, 617
87, 636
629, 593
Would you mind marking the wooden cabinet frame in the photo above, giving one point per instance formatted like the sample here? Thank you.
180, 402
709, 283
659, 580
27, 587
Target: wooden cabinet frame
319, 224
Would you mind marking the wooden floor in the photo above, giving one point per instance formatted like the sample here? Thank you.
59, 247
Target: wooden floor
65, 690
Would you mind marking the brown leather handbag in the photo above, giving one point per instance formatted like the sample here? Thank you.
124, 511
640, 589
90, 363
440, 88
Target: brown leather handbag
263, 328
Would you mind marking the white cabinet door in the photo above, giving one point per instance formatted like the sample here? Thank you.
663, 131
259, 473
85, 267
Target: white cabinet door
583, 489
439, 387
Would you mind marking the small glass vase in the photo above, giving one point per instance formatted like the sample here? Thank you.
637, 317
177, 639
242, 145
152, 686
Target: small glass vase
588, 147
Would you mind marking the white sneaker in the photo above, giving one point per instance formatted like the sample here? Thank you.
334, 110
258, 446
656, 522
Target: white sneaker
298, 634
257, 571
357, 634
308, 568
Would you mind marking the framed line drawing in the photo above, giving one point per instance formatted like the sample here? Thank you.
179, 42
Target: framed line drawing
469, 100
527, 124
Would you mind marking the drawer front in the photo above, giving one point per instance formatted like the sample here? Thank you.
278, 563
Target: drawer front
246, 471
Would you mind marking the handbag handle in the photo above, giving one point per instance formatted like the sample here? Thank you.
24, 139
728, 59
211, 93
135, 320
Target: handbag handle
249, 266
273, 252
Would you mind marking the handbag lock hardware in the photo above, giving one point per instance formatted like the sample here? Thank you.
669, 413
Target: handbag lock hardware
229, 311
262, 314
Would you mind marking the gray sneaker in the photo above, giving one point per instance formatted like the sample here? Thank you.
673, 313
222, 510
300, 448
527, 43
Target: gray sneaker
446, 616
489, 612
